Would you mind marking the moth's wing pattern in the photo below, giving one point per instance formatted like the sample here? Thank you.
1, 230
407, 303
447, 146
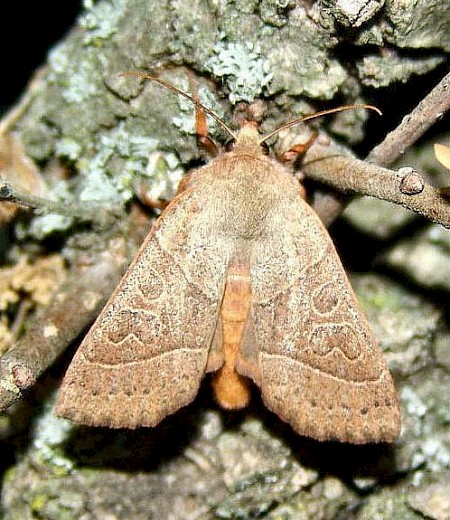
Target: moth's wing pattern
146, 354
307, 345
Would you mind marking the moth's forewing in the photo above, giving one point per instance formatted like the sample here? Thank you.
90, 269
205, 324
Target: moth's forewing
307, 344
146, 354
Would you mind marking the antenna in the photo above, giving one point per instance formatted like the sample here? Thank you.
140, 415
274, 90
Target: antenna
314, 116
176, 90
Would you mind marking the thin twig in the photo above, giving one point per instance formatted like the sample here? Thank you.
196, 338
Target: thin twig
74, 306
349, 174
84, 212
413, 126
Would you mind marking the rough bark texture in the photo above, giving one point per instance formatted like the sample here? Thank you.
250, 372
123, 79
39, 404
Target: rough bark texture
203, 463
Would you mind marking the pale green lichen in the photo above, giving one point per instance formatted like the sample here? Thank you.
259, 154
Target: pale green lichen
432, 451
245, 72
50, 432
165, 172
185, 120
100, 183
437, 454
44, 225
80, 83
57, 59
101, 19
97, 186
110, 176
413, 405
126, 144
69, 148
80, 77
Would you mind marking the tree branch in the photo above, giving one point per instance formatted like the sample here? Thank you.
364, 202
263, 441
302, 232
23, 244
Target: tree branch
84, 212
404, 187
413, 126
74, 306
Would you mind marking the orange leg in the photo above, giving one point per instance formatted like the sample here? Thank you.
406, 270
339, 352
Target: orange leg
201, 129
298, 149
148, 201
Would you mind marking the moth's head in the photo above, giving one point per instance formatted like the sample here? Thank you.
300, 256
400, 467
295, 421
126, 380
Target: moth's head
248, 139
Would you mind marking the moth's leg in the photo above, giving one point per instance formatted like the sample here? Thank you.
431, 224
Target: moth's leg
297, 150
184, 183
159, 204
146, 200
201, 129
294, 153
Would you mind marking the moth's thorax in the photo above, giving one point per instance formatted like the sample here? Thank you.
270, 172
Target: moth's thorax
251, 187
243, 187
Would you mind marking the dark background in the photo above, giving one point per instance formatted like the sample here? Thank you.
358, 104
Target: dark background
27, 31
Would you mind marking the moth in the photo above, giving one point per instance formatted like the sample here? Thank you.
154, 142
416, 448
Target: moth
240, 279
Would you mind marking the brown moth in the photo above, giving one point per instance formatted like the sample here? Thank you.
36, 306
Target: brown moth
239, 278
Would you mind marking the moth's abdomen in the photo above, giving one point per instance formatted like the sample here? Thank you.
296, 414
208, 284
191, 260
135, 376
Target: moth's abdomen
250, 188
231, 389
